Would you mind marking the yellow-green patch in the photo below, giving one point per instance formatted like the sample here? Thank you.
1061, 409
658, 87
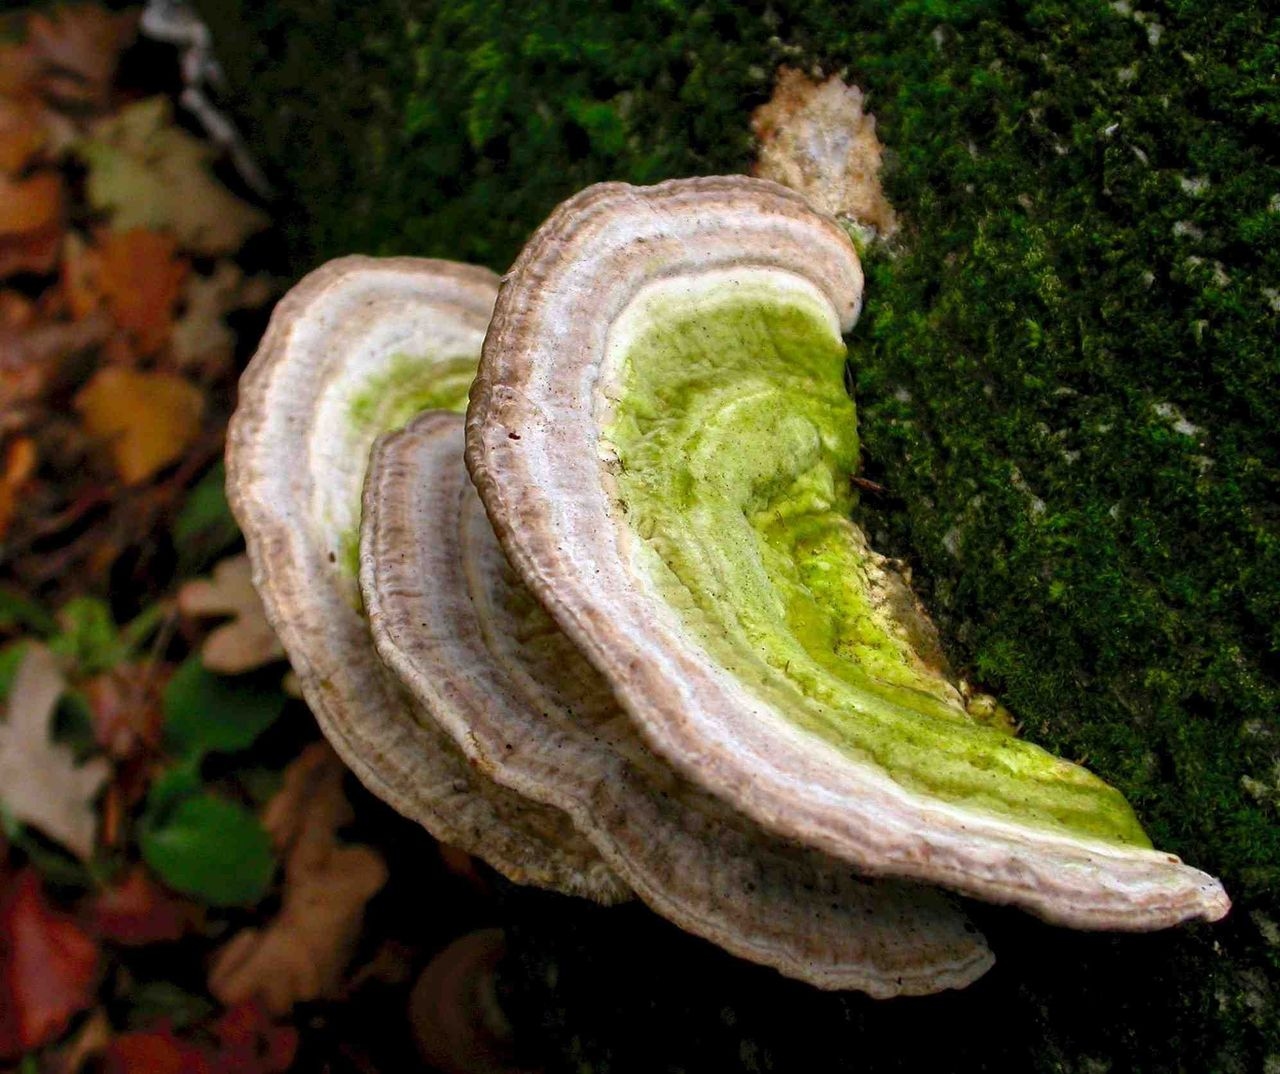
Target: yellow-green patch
735, 441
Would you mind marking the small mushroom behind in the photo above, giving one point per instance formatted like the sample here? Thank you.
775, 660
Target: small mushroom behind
482, 656
356, 348
660, 437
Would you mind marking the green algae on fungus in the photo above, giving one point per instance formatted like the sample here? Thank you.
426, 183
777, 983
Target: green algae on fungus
734, 439
349, 352
659, 434
385, 399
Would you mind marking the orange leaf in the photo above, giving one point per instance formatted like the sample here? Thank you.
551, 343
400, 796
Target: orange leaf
19, 466
79, 272
149, 418
17, 69
141, 278
48, 966
28, 205
153, 1051
36, 251
21, 133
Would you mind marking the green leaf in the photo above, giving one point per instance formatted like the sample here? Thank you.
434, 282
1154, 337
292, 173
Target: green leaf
90, 640
88, 637
10, 657
204, 711
171, 786
211, 849
205, 527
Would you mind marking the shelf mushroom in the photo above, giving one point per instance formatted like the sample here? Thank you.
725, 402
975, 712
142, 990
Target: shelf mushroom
482, 656
662, 442
356, 348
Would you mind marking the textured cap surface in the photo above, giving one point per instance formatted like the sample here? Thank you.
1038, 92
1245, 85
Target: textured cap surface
356, 348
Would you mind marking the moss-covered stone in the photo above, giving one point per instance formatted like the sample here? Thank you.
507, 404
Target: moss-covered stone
1067, 377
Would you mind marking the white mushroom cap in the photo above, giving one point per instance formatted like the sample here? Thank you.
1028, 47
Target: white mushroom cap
584, 286
481, 655
355, 348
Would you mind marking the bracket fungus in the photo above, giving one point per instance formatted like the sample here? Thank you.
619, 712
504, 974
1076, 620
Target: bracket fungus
482, 656
356, 348
662, 442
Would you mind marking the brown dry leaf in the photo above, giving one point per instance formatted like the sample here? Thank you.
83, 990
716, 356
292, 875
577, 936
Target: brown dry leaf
140, 276
125, 704
40, 782
815, 138
147, 173
36, 251
30, 205
22, 133
19, 467
77, 48
31, 357
85, 1045
17, 69
245, 643
79, 276
301, 955
201, 337
149, 419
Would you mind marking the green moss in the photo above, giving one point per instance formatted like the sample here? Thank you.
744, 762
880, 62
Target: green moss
1065, 374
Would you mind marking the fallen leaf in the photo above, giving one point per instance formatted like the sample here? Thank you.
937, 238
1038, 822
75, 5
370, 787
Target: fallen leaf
31, 204
250, 1043
206, 712
36, 251
815, 138
78, 272
301, 955
147, 173
137, 911
86, 1044
18, 468
40, 782
48, 967
210, 848
149, 418
77, 47
17, 69
125, 705
140, 276
30, 359
154, 1051
244, 1041
22, 133
16, 310
201, 337
245, 643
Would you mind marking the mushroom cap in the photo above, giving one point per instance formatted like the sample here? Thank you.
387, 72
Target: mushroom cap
613, 270
355, 348
478, 652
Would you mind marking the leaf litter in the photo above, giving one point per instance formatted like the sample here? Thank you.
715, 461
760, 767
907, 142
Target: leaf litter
181, 876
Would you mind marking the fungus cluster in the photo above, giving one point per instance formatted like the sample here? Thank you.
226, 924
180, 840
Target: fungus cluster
634, 645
